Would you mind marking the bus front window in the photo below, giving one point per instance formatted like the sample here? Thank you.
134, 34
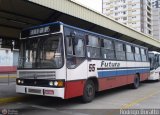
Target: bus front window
41, 52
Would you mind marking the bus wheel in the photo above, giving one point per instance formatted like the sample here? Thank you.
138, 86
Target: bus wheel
136, 82
89, 91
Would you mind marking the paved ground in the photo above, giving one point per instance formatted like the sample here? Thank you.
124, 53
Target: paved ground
8, 90
7, 85
107, 102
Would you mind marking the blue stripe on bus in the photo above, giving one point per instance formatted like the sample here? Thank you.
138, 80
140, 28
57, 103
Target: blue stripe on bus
121, 72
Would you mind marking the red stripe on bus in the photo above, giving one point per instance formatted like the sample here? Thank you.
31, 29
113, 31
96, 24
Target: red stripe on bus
74, 88
144, 76
112, 82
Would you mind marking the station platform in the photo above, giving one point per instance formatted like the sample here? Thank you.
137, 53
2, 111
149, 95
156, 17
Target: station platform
8, 88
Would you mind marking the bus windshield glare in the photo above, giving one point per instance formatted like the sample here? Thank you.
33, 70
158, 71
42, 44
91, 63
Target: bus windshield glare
41, 52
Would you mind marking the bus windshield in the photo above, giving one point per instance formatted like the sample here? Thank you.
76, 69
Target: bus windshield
154, 61
151, 60
41, 52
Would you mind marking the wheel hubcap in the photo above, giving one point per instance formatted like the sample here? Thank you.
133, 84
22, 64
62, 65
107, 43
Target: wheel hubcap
89, 90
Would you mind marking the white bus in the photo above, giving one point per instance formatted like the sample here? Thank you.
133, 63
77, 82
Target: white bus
63, 61
154, 58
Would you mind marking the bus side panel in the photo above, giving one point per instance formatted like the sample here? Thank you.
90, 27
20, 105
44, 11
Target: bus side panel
74, 88
130, 79
112, 82
123, 75
144, 76
110, 76
141, 68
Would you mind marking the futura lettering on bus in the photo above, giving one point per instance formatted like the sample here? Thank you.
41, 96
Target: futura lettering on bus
109, 64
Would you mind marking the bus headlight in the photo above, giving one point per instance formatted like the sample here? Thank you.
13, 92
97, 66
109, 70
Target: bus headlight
22, 81
51, 83
19, 81
57, 83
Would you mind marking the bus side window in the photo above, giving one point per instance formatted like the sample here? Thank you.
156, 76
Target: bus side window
93, 46
129, 53
79, 48
143, 54
107, 49
69, 45
137, 54
120, 51
75, 50
75, 46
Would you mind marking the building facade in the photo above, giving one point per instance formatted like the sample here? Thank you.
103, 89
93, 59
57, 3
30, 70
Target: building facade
156, 18
133, 13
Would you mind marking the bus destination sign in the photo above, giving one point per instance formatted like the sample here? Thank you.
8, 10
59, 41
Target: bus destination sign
40, 30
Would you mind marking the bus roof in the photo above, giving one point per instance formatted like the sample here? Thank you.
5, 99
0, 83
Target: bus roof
69, 26
97, 34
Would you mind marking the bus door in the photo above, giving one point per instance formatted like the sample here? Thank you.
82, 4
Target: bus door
76, 66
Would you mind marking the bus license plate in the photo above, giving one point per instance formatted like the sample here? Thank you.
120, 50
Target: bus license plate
38, 91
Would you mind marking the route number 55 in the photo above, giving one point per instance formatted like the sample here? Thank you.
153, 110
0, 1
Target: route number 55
91, 67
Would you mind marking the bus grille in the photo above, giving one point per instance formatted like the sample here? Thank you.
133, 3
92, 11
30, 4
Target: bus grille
37, 74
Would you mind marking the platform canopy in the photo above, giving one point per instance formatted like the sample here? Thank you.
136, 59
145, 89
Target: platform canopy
16, 15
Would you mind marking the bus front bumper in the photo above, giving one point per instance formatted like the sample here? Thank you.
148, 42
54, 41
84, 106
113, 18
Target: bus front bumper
45, 91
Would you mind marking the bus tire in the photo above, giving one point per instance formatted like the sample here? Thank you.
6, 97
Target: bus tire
136, 82
89, 91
